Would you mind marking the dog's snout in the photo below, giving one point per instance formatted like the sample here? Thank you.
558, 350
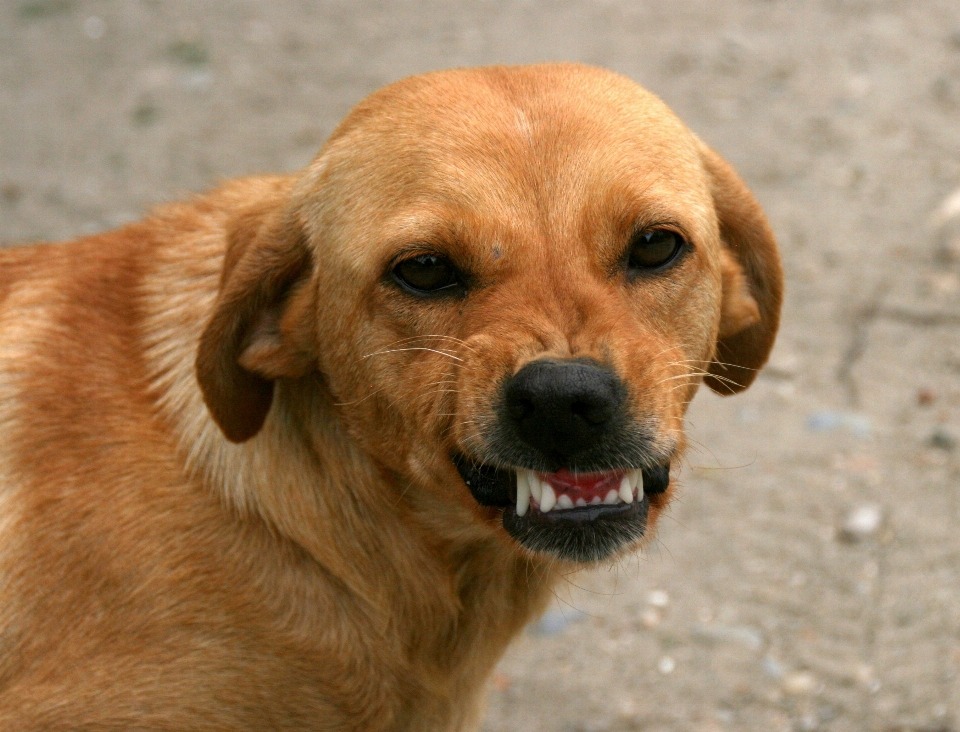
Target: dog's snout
562, 408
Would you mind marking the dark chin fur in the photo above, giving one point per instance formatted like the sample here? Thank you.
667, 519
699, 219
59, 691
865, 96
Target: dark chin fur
588, 534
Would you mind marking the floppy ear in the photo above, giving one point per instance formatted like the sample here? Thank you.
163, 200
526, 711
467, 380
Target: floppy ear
752, 281
260, 329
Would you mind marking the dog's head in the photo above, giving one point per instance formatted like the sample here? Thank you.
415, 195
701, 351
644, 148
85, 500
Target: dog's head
512, 281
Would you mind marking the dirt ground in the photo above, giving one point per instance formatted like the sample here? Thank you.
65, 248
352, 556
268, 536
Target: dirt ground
808, 578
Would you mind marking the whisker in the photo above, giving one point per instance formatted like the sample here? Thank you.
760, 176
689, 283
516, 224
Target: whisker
412, 348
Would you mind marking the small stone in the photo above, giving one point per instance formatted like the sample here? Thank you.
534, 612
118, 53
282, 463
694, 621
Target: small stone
650, 618
735, 634
658, 598
799, 683
926, 397
556, 621
628, 707
861, 522
189, 53
94, 28
945, 221
941, 439
11, 193
772, 667
666, 665
863, 673
829, 421
709, 726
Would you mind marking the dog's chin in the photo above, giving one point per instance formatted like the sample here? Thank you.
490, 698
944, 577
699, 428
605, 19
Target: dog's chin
584, 518
580, 534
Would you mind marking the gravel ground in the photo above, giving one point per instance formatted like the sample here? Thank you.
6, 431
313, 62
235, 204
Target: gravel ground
807, 577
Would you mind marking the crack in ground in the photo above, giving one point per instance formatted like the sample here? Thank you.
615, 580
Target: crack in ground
859, 340
922, 318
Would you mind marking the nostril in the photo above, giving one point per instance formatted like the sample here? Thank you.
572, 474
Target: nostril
520, 409
590, 412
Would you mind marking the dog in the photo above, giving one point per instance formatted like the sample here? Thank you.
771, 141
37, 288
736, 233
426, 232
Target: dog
307, 451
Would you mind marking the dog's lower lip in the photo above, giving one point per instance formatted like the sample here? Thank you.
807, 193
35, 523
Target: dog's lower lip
586, 534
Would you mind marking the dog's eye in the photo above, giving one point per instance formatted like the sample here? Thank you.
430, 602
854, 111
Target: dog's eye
426, 273
653, 249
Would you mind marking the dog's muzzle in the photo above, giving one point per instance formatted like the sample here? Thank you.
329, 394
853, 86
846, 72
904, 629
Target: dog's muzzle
568, 421
578, 517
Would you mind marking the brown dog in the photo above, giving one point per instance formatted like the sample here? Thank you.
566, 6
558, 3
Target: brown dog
306, 452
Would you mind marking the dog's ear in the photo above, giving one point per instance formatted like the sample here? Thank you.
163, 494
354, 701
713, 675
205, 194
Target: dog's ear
752, 281
260, 329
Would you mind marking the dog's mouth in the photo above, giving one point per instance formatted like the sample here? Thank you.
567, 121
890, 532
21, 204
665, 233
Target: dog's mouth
583, 517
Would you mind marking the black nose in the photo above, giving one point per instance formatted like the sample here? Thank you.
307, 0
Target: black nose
562, 408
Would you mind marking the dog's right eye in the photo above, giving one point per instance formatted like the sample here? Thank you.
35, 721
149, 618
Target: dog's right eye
426, 273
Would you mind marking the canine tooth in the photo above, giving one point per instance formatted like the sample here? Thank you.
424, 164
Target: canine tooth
596, 499
534, 482
626, 492
548, 499
523, 494
580, 502
563, 501
636, 479
611, 497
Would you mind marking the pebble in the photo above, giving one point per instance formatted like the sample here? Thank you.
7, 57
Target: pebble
857, 424
651, 618
772, 667
658, 598
799, 683
737, 634
11, 193
556, 621
94, 28
861, 522
666, 665
945, 224
866, 677
941, 439
926, 397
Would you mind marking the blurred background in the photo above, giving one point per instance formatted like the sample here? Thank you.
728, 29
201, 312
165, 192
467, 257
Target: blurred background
808, 576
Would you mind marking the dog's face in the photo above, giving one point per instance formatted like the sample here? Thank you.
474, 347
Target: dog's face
513, 282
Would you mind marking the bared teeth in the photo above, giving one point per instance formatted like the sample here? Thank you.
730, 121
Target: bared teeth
523, 492
626, 490
536, 488
548, 499
636, 480
530, 488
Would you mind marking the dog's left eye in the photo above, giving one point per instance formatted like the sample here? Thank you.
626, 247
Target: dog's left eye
653, 249
427, 273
